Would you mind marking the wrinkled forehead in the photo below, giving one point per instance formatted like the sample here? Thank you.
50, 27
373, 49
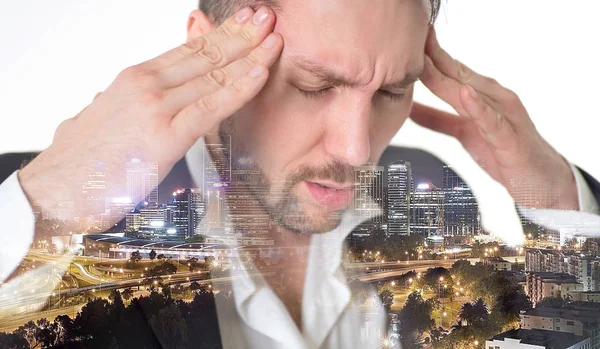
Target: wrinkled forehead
352, 33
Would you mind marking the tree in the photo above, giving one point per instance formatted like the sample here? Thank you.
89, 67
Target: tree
170, 327
127, 294
13, 341
551, 302
194, 286
152, 255
387, 299
29, 331
135, 257
192, 264
475, 314
415, 319
511, 303
166, 291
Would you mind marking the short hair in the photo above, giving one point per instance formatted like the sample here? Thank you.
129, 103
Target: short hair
220, 10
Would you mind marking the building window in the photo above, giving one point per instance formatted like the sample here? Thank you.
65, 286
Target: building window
557, 328
570, 323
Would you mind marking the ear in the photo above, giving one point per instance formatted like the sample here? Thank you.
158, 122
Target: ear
198, 24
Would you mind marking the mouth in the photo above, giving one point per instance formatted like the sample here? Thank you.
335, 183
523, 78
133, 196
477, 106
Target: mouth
333, 196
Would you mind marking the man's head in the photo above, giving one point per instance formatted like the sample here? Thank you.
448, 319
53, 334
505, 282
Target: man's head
339, 92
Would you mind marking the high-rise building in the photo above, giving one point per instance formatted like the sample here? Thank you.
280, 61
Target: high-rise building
399, 185
142, 182
461, 211
151, 169
94, 191
368, 192
189, 209
427, 211
217, 172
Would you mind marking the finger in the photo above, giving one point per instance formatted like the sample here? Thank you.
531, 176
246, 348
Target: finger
444, 87
456, 70
229, 28
492, 124
215, 56
198, 118
435, 120
265, 55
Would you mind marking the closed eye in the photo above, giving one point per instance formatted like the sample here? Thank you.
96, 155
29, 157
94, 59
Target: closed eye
315, 94
320, 93
395, 97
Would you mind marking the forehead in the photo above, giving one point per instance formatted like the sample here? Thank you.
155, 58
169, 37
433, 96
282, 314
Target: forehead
364, 38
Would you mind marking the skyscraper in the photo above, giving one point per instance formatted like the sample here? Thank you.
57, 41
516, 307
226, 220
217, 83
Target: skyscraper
461, 212
399, 191
368, 192
218, 171
427, 210
189, 209
142, 182
94, 191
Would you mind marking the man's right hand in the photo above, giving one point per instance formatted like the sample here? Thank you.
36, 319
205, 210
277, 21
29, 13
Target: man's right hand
157, 110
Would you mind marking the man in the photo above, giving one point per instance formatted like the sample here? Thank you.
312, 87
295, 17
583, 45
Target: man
301, 116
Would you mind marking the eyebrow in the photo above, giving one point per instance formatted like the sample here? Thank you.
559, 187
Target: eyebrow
332, 78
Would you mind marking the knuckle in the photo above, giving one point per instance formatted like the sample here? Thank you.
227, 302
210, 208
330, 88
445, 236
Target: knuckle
512, 97
226, 31
247, 37
251, 60
195, 45
207, 103
136, 76
500, 121
218, 77
492, 81
212, 55
464, 73
238, 88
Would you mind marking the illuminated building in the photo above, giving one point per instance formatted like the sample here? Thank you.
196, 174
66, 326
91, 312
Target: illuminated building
368, 192
461, 212
399, 191
133, 220
189, 209
157, 230
142, 182
94, 192
426, 210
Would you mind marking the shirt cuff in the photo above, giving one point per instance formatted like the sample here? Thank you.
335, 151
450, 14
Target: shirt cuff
587, 200
18, 225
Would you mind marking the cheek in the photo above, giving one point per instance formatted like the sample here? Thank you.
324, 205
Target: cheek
275, 134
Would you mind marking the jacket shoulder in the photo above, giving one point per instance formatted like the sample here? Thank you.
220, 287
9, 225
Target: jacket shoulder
11, 162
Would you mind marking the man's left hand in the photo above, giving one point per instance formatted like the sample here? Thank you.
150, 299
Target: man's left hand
495, 128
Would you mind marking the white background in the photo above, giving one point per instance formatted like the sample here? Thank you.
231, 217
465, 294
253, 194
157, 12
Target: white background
57, 54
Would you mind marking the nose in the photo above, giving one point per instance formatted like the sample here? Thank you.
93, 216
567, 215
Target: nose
347, 135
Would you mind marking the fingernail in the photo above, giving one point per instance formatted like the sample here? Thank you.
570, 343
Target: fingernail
472, 92
260, 16
269, 41
243, 15
256, 71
